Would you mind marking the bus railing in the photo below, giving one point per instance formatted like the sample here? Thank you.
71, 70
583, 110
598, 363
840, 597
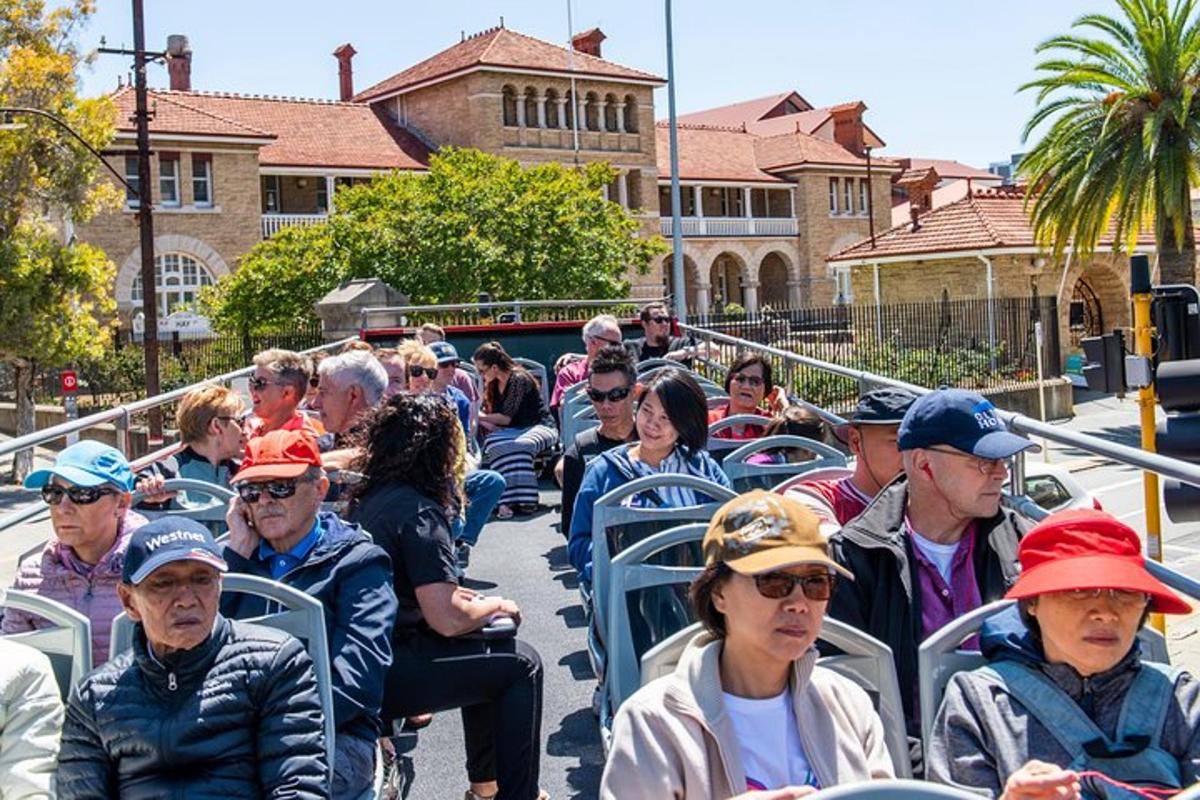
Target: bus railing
494, 308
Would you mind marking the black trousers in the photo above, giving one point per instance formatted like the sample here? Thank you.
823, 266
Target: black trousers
498, 686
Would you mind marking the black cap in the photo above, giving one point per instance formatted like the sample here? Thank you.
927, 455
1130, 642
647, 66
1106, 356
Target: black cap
885, 406
165, 540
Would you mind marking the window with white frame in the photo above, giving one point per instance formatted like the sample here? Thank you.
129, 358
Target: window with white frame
863, 198
131, 177
179, 277
168, 178
202, 180
833, 195
845, 290
848, 196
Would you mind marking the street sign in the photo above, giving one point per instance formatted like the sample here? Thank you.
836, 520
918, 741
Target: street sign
68, 381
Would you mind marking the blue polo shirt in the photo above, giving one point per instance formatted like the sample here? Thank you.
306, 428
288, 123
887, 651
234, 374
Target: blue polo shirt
282, 563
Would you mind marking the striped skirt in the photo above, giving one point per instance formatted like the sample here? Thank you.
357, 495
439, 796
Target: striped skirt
510, 451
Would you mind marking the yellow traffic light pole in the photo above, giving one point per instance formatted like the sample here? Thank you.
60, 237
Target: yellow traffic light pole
1143, 346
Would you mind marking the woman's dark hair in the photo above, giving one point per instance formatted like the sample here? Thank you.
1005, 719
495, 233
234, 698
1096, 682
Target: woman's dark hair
413, 439
798, 421
701, 593
684, 402
749, 360
493, 354
615, 358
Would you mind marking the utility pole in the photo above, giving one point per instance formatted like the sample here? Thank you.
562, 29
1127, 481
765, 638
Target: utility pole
145, 211
677, 277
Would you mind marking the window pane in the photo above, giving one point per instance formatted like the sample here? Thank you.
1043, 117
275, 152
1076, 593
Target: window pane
168, 180
833, 195
201, 181
131, 175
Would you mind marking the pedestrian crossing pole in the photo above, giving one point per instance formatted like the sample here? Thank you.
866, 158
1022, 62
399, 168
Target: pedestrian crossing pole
1143, 343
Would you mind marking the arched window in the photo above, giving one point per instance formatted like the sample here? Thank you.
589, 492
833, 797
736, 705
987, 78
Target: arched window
631, 114
510, 105
591, 112
531, 106
179, 277
552, 109
610, 113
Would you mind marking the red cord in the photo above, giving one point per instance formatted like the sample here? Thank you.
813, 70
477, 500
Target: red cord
1149, 793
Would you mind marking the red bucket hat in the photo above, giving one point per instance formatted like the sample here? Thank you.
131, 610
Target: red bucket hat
279, 454
1087, 549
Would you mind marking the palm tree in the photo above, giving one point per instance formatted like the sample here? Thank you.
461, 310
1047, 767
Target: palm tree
1120, 152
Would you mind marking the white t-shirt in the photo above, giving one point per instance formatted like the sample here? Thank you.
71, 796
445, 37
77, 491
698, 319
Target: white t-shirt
772, 755
942, 555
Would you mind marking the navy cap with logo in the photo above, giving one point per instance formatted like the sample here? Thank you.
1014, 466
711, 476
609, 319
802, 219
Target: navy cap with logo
964, 420
166, 540
444, 352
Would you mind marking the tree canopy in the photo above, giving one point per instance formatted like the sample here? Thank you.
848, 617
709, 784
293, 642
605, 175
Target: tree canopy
475, 223
1119, 96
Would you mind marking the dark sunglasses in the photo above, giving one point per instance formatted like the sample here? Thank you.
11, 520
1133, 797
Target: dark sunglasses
258, 384
415, 372
80, 495
280, 490
612, 395
660, 320
778, 585
750, 380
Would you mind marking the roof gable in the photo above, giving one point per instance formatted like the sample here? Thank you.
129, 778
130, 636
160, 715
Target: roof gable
502, 48
745, 112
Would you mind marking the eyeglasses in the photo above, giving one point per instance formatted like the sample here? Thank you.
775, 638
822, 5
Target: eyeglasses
258, 384
1122, 597
778, 585
80, 495
280, 490
986, 466
749, 380
612, 395
415, 372
610, 342
659, 320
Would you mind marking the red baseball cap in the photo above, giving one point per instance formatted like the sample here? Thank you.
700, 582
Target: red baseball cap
1087, 549
279, 454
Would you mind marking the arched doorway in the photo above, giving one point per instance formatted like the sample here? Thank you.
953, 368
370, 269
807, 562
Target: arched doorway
772, 281
690, 273
1086, 314
725, 277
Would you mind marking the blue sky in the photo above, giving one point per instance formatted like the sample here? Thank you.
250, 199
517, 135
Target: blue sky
939, 76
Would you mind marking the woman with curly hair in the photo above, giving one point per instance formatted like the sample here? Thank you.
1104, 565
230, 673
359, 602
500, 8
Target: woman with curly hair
412, 460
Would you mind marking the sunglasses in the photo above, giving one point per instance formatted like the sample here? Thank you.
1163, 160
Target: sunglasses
659, 320
612, 395
258, 384
749, 380
778, 585
609, 342
415, 372
280, 490
80, 495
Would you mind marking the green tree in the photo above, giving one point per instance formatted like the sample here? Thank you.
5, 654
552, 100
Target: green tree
1120, 99
53, 295
476, 223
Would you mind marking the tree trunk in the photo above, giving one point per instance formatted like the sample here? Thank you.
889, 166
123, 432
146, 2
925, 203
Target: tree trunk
23, 373
1175, 266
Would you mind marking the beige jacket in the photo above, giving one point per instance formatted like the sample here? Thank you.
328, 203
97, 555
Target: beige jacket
31, 717
673, 739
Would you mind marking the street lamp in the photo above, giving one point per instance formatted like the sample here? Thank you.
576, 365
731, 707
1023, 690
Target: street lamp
677, 277
10, 124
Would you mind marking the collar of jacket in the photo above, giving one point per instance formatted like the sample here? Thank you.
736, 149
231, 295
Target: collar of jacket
188, 666
110, 564
337, 535
697, 693
187, 454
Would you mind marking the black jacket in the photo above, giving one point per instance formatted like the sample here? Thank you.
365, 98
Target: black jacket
884, 599
238, 716
352, 577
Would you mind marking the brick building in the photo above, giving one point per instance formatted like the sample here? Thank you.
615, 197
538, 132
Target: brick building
771, 186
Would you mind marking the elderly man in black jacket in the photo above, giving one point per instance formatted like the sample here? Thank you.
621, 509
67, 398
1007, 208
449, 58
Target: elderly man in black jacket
201, 706
935, 543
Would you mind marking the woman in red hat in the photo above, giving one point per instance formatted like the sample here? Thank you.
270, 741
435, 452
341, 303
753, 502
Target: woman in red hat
1066, 707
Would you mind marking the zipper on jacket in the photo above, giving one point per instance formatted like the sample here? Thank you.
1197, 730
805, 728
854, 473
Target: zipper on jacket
172, 684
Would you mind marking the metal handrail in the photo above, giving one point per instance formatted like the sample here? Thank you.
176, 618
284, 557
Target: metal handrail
125, 411
1167, 467
515, 305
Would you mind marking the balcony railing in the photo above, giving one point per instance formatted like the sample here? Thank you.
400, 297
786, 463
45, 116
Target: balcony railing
733, 226
273, 223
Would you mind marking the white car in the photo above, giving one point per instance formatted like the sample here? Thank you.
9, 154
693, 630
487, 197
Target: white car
1054, 488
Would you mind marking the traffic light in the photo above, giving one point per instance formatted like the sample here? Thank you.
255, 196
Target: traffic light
1178, 436
1176, 312
1105, 367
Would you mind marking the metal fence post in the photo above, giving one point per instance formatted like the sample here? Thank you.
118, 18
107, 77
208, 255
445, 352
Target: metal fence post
122, 426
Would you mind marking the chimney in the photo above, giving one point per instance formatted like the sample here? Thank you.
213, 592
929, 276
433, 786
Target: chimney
179, 63
848, 126
345, 72
588, 42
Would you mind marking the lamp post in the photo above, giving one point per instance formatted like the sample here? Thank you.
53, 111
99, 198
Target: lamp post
677, 277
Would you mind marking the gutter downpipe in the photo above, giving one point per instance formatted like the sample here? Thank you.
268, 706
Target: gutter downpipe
991, 313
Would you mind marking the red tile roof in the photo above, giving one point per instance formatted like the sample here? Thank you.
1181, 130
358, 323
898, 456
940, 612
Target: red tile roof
712, 153
792, 149
501, 47
735, 114
984, 220
948, 169
297, 132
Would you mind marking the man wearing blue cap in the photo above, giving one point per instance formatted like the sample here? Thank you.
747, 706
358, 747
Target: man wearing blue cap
935, 543
200, 706
88, 492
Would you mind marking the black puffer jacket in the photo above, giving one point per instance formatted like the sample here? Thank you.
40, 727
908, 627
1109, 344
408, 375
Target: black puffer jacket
238, 716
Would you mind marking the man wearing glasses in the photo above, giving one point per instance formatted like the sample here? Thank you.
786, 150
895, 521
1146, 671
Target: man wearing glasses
277, 531
657, 341
88, 491
277, 387
610, 388
598, 332
935, 543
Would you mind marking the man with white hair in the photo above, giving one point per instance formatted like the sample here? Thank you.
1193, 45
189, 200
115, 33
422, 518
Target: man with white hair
598, 332
351, 383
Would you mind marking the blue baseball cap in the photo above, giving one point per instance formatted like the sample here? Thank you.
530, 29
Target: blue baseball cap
86, 463
964, 420
166, 540
445, 352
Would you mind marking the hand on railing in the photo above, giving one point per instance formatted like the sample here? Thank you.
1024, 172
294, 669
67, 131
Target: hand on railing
151, 488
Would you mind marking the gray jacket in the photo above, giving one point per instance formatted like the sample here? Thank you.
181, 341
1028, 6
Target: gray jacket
982, 734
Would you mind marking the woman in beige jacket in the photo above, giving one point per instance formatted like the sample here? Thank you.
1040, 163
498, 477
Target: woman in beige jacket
747, 709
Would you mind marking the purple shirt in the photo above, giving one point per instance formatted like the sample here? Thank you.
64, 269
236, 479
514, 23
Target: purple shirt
942, 603
568, 376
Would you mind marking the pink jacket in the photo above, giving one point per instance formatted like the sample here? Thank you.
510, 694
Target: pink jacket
57, 574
